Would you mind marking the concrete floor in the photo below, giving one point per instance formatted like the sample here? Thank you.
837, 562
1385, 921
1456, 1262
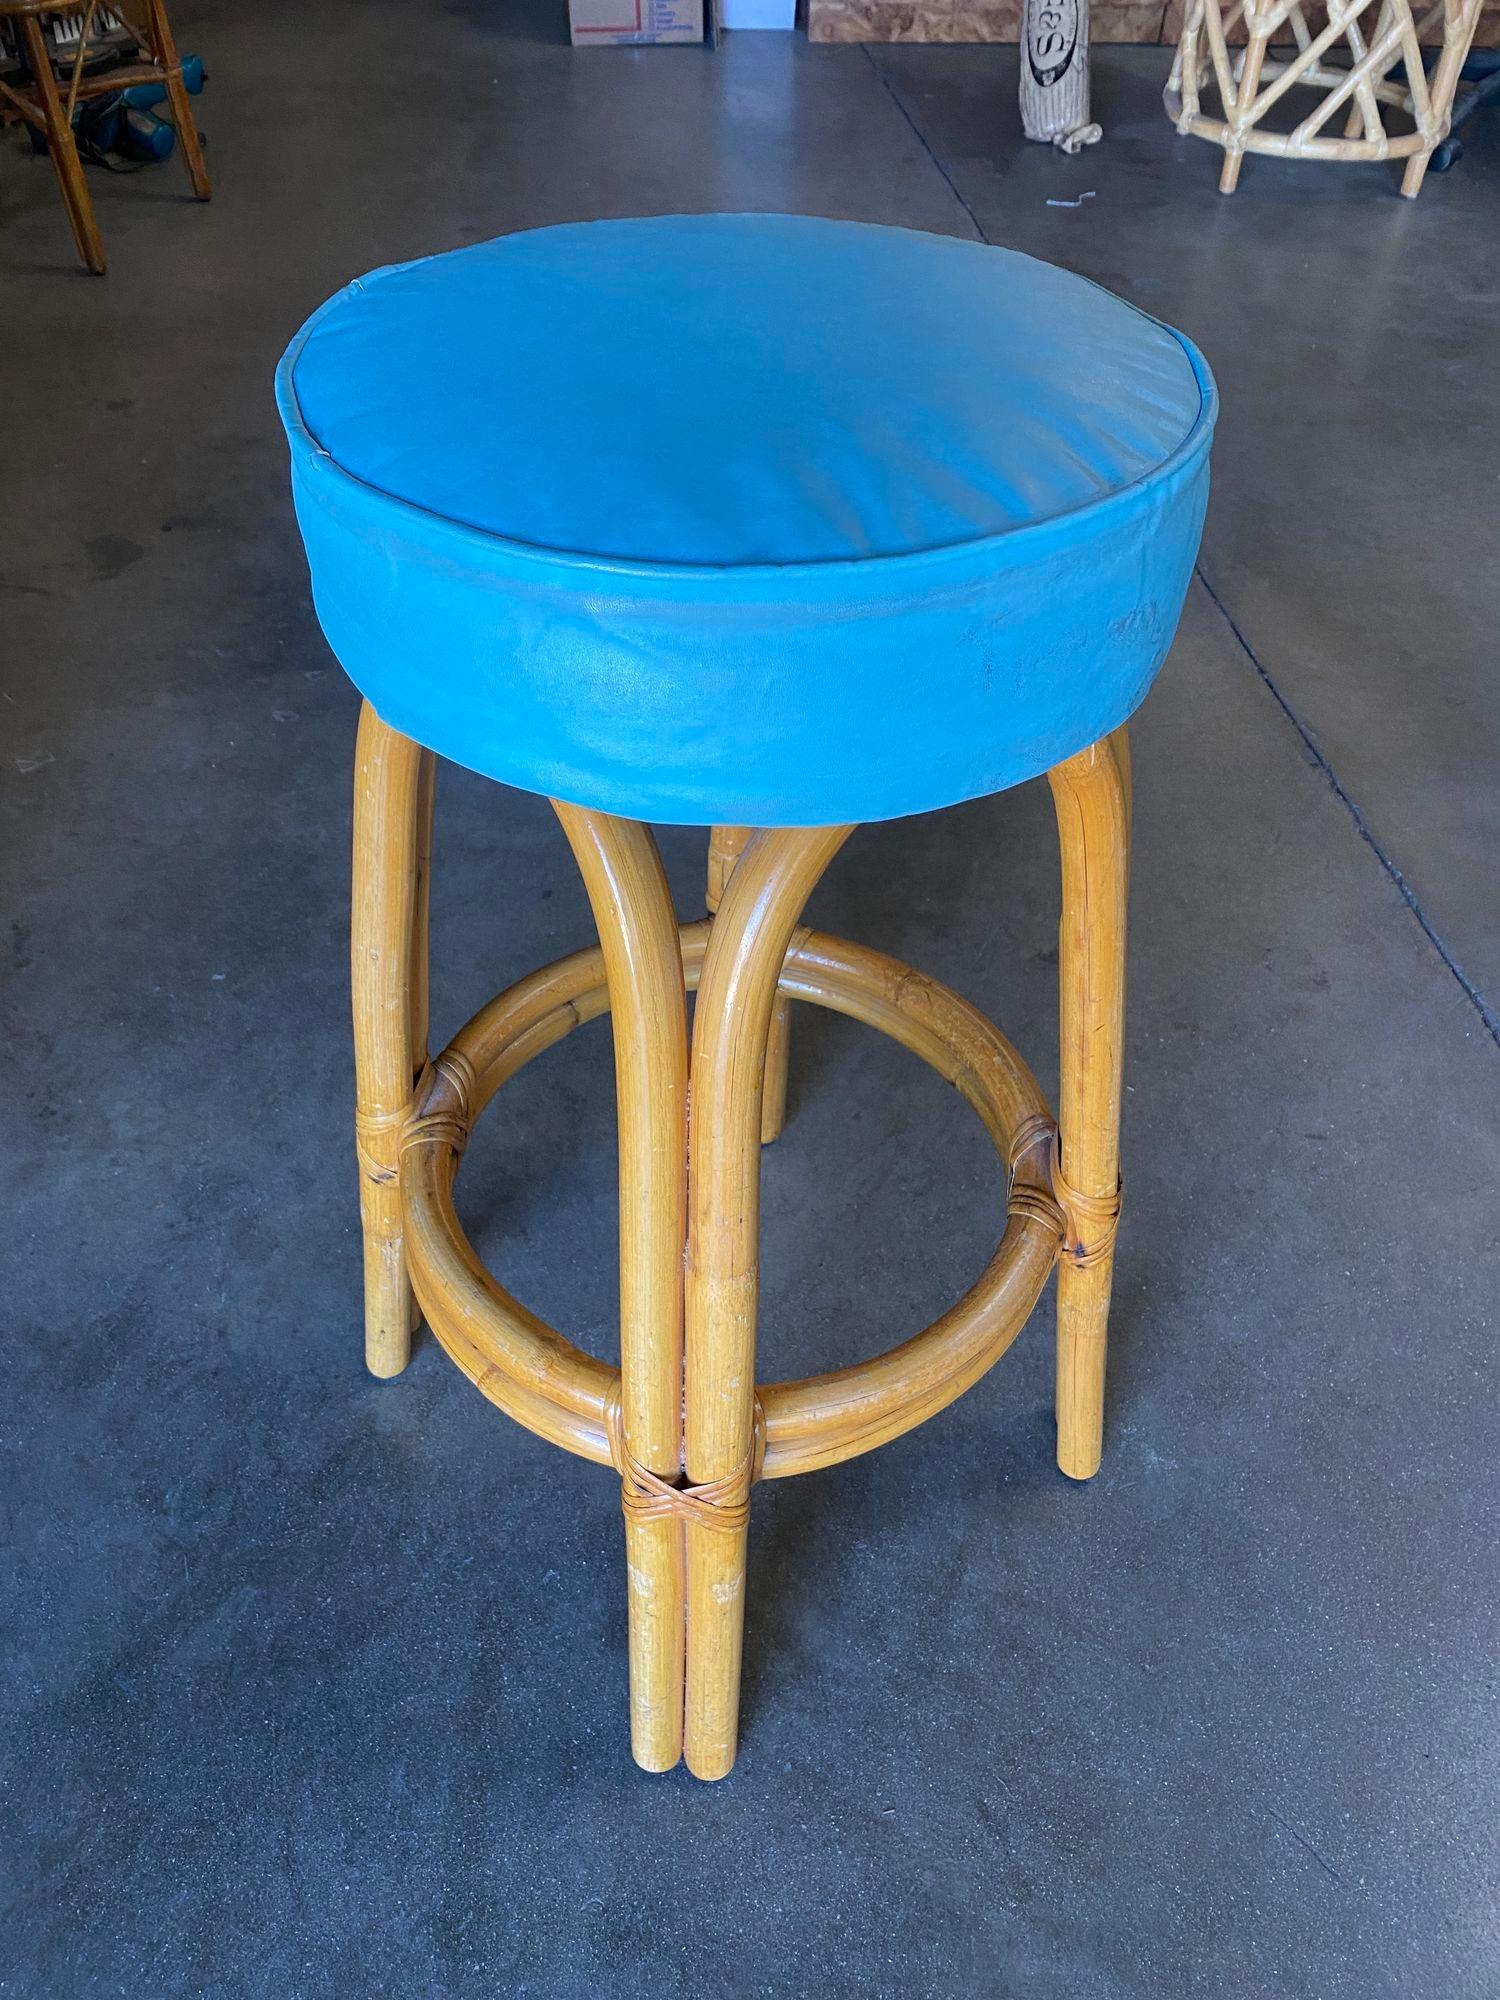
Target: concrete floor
316, 1687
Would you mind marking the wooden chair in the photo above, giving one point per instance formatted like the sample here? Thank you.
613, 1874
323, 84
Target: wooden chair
44, 107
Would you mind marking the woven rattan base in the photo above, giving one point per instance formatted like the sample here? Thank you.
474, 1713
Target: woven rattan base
682, 1420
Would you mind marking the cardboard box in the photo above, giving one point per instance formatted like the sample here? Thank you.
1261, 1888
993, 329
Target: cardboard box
634, 22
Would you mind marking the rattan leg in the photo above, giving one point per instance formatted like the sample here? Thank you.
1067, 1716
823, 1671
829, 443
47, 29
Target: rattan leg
726, 844
62, 147
164, 48
1458, 32
421, 930
747, 946
632, 907
422, 909
1091, 793
385, 956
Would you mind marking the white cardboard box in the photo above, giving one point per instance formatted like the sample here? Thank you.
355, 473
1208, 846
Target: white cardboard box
613, 22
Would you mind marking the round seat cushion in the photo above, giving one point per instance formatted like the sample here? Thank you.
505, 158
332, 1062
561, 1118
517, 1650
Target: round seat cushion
746, 518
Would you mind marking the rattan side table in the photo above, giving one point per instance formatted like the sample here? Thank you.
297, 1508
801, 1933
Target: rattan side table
1363, 60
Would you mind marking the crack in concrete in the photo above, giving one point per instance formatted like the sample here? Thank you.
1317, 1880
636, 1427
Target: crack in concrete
922, 140
1362, 825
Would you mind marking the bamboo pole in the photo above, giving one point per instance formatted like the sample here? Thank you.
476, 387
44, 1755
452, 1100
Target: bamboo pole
632, 906
383, 958
1091, 793
747, 946
725, 846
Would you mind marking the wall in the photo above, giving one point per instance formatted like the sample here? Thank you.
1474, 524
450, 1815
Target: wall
999, 21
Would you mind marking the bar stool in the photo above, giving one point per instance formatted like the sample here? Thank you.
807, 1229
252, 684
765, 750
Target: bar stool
768, 525
40, 105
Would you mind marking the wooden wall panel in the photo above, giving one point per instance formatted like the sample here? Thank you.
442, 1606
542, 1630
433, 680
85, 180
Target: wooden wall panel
999, 21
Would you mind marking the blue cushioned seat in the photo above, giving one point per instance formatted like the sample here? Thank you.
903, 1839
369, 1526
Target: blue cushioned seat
746, 518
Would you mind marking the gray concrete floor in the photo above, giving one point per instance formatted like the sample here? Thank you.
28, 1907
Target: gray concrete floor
315, 1687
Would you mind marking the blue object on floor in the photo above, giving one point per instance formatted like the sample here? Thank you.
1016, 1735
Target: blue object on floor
145, 96
747, 518
142, 135
129, 123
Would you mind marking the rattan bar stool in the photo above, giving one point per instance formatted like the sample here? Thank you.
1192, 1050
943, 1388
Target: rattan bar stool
772, 526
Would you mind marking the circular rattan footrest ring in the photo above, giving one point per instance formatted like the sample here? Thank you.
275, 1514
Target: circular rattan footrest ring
543, 1381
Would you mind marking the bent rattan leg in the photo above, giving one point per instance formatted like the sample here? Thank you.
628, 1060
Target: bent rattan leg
747, 945
726, 845
388, 963
632, 906
1091, 793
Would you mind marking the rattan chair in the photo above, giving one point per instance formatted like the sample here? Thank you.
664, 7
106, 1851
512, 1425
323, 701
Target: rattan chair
45, 102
